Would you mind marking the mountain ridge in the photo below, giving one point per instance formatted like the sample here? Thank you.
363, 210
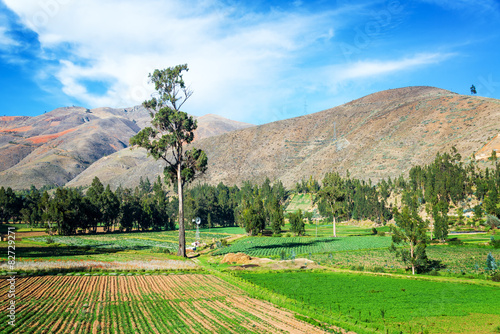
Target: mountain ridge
379, 135
53, 148
376, 136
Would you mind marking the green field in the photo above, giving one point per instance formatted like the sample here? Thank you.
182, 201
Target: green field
134, 240
274, 246
343, 230
452, 260
389, 304
300, 201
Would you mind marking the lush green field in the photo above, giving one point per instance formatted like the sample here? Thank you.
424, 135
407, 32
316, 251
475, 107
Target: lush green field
274, 246
453, 260
326, 230
388, 303
20, 228
224, 230
475, 238
132, 241
299, 201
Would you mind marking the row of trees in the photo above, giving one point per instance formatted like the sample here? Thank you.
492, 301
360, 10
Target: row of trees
435, 188
69, 211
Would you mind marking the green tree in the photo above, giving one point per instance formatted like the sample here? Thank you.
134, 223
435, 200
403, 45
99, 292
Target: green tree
171, 130
253, 217
94, 196
473, 90
110, 208
493, 156
66, 210
276, 215
440, 215
490, 263
297, 222
410, 230
30, 212
332, 192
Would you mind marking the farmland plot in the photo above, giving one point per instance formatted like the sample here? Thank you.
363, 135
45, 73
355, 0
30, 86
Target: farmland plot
142, 304
135, 240
263, 247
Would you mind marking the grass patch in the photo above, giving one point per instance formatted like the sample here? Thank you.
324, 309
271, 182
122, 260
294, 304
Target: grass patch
387, 303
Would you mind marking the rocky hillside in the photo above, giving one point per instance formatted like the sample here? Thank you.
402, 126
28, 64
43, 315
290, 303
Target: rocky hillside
377, 136
55, 147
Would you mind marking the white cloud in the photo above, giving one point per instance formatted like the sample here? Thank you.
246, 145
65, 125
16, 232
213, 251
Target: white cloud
471, 6
235, 58
5, 40
364, 69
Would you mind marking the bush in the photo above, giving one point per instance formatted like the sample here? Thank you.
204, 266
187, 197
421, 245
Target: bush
276, 235
162, 250
381, 234
496, 278
490, 263
374, 231
455, 242
434, 272
49, 240
288, 235
495, 243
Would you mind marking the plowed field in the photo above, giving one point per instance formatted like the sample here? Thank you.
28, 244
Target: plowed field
191, 303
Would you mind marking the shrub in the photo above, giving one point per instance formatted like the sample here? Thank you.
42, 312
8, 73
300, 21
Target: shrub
434, 272
455, 242
490, 262
49, 240
495, 243
496, 278
276, 235
374, 231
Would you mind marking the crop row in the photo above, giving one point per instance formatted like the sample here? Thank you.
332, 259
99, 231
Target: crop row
302, 245
168, 239
142, 304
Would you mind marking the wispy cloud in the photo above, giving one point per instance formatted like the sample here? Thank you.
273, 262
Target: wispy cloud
228, 50
469, 5
365, 69
244, 61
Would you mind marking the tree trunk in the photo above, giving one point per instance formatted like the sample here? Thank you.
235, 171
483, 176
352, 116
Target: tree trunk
412, 259
334, 227
182, 234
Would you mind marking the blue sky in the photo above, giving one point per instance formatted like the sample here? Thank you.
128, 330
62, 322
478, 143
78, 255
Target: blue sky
252, 61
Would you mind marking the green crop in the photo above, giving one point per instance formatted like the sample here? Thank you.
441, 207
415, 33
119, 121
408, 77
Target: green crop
269, 247
389, 304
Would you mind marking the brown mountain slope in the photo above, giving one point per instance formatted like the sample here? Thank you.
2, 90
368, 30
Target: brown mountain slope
55, 147
380, 135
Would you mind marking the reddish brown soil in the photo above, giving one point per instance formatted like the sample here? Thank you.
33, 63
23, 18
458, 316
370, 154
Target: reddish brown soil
46, 138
